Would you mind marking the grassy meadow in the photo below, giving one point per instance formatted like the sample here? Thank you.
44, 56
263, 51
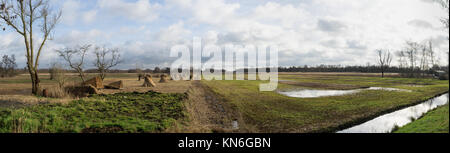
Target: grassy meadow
207, 104
126, 112
272, 112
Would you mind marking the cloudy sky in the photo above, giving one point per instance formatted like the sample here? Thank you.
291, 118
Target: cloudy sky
309, 32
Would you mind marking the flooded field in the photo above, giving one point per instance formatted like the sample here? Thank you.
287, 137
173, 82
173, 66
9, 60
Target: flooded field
309, 93
313, 93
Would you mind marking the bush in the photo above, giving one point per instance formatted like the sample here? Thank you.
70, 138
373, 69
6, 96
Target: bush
57, 73
443, 77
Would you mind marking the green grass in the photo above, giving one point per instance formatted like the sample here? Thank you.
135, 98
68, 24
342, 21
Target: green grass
124, 112
365, 81
435, 121
272, 112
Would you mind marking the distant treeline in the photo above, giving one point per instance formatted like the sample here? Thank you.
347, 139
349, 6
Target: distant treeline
362, 69
321, 68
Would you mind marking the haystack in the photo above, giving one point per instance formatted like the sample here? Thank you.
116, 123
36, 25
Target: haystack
97, 82
163, 79
148, 75
149, 82
115, 85
82, 91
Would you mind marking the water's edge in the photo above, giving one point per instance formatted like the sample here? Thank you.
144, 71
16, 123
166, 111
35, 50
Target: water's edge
350, 124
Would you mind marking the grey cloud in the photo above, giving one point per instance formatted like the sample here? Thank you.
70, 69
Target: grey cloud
331, 25
354, 44
420, 24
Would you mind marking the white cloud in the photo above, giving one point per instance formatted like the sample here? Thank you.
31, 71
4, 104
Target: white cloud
307, 32
89, 16
141, 10
74, 12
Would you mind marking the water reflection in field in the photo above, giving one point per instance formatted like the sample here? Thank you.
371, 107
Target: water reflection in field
313, 93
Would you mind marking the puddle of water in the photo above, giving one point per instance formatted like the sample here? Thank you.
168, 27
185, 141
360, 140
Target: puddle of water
235, 125
386, 123
388, 89
312, 93
306, 93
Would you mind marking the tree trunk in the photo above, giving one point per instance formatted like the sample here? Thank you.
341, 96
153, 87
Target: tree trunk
102, 74
35, 82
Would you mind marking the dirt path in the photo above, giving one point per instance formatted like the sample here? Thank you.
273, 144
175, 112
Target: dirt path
208, 112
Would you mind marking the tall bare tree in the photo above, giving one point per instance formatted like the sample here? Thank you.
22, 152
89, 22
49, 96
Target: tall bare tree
424, 59
103, 63
23, 16
78, 65
402, 59
412, 48
445, 20
384, 59
431, 53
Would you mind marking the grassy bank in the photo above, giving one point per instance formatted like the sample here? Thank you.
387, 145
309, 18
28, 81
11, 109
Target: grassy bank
435, 121
125, 112
272, 112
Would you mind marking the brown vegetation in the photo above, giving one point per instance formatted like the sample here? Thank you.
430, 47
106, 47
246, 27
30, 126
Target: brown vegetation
163, 78
96, 82
115, 85
148, 82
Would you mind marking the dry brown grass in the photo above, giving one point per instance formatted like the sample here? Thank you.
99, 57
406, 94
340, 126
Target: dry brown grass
22, 100
57, 92
19, 86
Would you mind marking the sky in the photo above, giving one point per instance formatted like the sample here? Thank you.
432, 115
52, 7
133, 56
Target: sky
307, 32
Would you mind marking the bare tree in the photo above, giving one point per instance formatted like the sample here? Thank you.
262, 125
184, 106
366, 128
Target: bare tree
412, 49
431, 53
445, 5
384, 59
57, 73
23, 16
402, 59
8, 66
103, 63
78, 65
423, 58
445, 21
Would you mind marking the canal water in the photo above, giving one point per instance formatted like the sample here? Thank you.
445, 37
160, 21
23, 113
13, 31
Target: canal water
385, 123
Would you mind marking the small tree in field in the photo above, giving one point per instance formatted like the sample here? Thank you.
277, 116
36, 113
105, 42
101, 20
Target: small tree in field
23, 16
8, 66
57, 73
103, 63
69, 55
384, 59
